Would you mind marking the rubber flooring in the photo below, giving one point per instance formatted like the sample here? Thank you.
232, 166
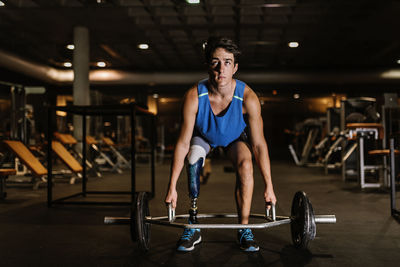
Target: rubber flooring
31, 234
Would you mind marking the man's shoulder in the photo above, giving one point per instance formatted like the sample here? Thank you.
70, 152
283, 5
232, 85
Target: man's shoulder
192, 93
249, 94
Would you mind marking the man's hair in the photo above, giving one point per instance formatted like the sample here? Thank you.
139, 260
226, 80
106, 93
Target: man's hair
220, 42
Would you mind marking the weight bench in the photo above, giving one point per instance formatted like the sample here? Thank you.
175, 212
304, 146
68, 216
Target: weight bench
29, 160
121, 160
92, 142
70, 141
4, 173
67, 159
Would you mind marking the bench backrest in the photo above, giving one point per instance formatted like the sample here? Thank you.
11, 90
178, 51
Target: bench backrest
26, 156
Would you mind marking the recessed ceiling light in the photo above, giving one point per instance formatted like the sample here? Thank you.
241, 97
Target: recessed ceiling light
398, 61
67, 64
193, 1
155, 96
101, 64
293, 44
2, 3
143, 46
296, 96
274, 5
71, 47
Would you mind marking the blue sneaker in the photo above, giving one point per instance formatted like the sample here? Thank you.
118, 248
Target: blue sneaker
246, 240
189, 239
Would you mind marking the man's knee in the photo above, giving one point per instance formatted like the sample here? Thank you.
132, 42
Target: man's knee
245, 167
245, 170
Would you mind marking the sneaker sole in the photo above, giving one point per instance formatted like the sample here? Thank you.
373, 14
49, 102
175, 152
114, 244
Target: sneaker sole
250, 249
191, 248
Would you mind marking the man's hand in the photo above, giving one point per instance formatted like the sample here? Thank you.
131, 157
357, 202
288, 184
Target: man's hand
172, 197
269, 196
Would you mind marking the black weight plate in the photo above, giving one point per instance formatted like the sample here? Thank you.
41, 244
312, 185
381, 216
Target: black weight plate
142, 228
302, 225
133, 219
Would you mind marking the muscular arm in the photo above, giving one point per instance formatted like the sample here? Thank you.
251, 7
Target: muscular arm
189, 112
259, 145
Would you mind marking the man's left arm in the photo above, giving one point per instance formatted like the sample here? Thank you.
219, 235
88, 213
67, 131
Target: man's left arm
259, 145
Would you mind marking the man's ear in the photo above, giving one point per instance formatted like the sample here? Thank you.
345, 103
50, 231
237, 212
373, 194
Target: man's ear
235, 68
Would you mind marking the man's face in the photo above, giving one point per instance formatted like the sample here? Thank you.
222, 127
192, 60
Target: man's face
222, 67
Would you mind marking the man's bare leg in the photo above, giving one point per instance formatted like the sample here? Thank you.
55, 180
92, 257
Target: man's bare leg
241, 157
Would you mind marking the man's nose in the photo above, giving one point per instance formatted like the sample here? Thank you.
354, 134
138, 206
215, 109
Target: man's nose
219, 67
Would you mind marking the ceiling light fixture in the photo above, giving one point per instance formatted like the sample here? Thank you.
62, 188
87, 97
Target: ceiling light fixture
143, 46
155, 96
101, 64
193, 1
67, 64
274, 5
398, 61
71, 47
293, 44
296, 96
2, 3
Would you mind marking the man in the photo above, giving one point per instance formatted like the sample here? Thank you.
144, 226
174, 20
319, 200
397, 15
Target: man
221, 111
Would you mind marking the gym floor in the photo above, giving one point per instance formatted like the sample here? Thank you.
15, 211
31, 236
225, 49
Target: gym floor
67, 235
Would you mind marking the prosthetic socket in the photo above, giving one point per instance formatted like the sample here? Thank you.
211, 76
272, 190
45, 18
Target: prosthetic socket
194, 171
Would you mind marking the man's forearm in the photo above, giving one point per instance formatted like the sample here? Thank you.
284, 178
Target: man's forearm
263, 162
177, 163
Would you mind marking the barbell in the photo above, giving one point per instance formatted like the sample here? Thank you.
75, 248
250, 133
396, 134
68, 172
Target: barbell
302, 220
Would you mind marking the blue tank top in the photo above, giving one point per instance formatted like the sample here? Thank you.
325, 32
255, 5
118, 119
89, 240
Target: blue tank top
220, 130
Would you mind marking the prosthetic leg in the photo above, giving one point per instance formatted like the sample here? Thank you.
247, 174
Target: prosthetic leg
194, 171
194, 167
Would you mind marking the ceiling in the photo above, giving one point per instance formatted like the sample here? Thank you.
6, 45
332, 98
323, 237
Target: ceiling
332, 34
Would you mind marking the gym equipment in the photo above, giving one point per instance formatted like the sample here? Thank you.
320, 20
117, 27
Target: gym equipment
29, 160
70, 141
92, 142
131, 110
363, 131
302, 220
4, 173
68, 159
306, 137
34, 165
394, 212
354, 110
121, 162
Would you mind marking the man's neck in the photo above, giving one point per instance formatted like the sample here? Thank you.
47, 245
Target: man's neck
223, 91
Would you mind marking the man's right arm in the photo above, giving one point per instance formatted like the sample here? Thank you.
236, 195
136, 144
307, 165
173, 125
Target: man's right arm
182, 146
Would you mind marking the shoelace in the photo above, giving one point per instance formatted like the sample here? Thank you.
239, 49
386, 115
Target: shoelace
247, 235
187, 234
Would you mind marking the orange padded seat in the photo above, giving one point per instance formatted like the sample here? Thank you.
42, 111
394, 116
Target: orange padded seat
383, 152
377, 126
90, 140
66, 139
66, 157
7, 172
108, 141
26, 156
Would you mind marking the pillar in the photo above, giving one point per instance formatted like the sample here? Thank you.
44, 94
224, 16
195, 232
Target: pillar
81, 92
